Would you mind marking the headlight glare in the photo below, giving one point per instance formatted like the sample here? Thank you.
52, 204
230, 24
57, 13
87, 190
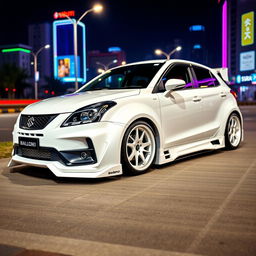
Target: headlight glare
88, 114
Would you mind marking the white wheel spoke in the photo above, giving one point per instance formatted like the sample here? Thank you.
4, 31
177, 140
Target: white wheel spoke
142, 136
232, 123
142, 157
131, 145
140, 147
136, 159
231, 139
131, 156
235, 124
137, 134
146, 144
130, 137
146, 150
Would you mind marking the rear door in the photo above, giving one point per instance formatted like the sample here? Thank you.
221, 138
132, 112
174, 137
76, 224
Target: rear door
212, 96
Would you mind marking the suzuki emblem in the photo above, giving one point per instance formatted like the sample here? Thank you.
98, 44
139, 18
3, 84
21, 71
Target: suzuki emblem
30, 121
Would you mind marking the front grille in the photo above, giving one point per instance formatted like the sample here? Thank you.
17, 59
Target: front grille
48, 154
51, 154
42, 154
35, 122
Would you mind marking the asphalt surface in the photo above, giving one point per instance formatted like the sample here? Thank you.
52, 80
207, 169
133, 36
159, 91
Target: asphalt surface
205, 205
7, 122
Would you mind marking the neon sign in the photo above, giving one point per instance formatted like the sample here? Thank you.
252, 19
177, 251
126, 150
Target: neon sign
197, 28
225, 34
64, 14
247, 78
247, 30
16, 50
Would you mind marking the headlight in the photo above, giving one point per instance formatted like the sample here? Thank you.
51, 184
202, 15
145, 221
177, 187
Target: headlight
88, 114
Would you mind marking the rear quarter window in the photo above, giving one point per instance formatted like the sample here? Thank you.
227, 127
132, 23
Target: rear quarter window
204, 78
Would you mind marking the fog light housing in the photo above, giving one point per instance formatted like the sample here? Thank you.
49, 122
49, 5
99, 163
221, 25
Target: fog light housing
85, 156
81, 156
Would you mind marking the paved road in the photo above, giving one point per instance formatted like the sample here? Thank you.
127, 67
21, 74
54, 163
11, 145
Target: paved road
205, 205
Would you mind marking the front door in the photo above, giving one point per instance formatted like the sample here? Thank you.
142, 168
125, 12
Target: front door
180, 110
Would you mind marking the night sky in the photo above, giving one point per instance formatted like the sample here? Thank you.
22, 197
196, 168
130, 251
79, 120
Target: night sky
138, 27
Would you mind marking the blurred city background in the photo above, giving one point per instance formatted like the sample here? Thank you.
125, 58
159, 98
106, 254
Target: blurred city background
54, 47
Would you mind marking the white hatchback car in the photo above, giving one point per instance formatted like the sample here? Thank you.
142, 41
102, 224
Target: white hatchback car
129, 118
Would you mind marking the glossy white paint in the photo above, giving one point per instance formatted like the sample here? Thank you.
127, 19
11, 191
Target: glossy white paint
185, 121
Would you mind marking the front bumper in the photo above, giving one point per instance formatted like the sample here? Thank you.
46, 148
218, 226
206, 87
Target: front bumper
106, 138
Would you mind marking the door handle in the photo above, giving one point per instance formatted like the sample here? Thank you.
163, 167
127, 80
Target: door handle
197, 99
223, 95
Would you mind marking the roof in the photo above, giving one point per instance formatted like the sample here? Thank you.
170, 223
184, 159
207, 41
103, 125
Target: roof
168, 62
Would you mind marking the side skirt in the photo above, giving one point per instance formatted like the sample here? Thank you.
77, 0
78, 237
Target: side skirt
183, 151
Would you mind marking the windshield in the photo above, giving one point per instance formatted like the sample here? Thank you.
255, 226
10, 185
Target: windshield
126, 77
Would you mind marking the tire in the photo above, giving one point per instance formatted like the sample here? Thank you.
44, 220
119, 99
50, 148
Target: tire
233, 132
138, 148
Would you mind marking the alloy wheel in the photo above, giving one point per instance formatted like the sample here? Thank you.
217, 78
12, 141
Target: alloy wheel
140, 147
234, 131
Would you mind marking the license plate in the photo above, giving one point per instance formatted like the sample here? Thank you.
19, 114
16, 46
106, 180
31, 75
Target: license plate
29, 142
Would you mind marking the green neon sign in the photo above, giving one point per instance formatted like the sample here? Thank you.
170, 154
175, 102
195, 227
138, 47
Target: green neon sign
16, 50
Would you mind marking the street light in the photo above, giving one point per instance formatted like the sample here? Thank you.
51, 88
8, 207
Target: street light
97, 8
106, 67
36, 76
168, 55
101, 71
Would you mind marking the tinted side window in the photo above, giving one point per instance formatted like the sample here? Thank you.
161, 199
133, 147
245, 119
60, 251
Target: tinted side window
204, 78
178, 71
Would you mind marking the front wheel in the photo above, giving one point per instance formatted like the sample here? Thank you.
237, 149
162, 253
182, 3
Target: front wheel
138, 148
233, 133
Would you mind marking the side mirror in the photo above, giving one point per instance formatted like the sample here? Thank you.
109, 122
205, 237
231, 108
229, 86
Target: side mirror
174, 84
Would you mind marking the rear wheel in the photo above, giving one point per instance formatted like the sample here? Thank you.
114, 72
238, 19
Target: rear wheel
138, 148
233, 133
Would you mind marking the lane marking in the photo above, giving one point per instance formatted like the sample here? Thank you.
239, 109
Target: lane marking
193, 246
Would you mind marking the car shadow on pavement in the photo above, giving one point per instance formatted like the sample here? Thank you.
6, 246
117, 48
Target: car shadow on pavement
187, 158
35, 176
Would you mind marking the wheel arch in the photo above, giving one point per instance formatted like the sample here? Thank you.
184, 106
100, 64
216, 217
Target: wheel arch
153, 125
239, 115
235, 111
156, 135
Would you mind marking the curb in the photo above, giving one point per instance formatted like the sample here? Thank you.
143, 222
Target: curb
247, 103
11, 110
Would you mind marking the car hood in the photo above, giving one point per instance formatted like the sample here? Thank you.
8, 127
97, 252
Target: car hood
72, 102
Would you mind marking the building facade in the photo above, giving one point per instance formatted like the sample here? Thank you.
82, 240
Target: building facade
18, 55
40, 35
239, 46
197, 44
104, 60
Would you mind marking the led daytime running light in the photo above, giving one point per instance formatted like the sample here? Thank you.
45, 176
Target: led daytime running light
88, 114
